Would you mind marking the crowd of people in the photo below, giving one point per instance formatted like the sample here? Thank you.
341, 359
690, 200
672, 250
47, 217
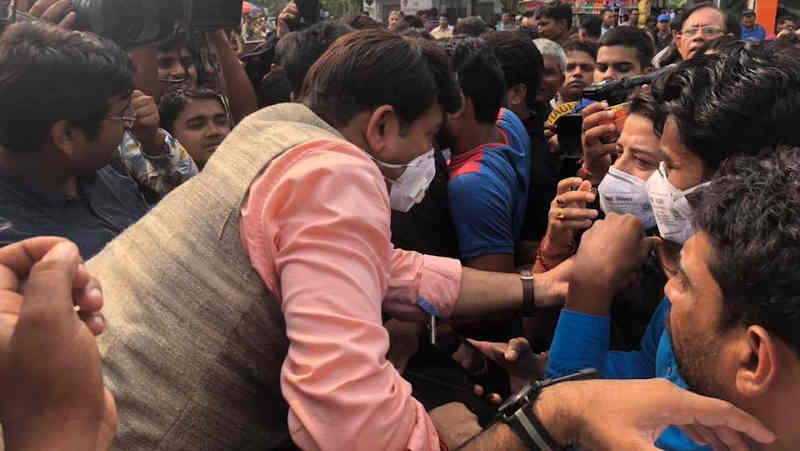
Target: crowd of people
419, 236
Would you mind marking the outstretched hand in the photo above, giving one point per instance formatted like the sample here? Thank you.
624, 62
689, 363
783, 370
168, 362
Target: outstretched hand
517, 357
631, 414
53, 11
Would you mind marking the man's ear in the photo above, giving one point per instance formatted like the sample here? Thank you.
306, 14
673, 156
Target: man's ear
517, 94
382, 125
66, 138
757, 362
463, 110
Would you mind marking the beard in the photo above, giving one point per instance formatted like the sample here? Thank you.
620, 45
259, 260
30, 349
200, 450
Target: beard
698, 358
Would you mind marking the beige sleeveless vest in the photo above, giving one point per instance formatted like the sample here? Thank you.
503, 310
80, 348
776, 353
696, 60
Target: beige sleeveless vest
194, 341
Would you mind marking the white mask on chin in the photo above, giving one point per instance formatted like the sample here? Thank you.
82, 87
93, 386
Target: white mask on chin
409, 189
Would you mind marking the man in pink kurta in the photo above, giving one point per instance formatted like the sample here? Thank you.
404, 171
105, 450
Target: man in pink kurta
316, 226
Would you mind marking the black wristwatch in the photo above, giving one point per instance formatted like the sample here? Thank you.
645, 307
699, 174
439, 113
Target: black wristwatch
518, 414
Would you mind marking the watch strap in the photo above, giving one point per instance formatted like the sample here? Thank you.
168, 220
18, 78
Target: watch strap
528, 299
530, 430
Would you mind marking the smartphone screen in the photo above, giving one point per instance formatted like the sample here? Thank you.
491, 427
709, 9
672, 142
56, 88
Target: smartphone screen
568, 129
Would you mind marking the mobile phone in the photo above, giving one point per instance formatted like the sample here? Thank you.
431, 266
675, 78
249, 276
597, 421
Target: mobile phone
491, 376
568, 129
621, 112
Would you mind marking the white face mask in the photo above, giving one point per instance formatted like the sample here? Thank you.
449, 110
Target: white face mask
623, 193
409, 189
672, 210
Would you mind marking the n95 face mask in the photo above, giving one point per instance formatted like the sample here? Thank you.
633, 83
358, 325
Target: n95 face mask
670, 206
623, 193
409, 189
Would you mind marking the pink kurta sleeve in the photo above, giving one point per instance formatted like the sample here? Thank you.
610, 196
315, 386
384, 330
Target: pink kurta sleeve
316, 227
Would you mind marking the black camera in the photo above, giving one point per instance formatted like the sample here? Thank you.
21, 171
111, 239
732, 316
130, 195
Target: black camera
617, 91
138, 23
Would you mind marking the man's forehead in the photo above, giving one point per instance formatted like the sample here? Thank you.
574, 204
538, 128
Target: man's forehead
579, 55
704, 16
610, 54
695, 259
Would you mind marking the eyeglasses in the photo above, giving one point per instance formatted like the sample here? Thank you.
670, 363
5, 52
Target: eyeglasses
128, 120
707, 32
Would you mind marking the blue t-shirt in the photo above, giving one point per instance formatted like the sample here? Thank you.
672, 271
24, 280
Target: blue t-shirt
488, 191
582, 341
756, 33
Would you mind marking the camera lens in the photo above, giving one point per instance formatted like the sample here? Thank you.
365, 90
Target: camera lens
129, 23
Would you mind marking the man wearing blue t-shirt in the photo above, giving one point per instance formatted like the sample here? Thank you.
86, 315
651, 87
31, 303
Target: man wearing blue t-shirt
490, 165
750, 29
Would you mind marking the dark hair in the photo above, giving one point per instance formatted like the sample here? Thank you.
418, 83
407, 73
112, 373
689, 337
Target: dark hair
173, 103
308, 10
630, 37
274, 88
177, 41
473, 26
735, 102
480, 76
556, 11
593, 26
721, 44
48, 74
416, 33
645, 105
413, 21
574, 45
297, 51
750, 214
520, 60
358, 21
369, 68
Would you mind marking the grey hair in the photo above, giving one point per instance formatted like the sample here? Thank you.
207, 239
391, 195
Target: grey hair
550, 49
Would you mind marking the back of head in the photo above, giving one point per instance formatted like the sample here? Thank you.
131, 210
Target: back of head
750, 214
550, 49
556, 11
299, 50
520, 60
370, 68
473, 26
480, 76
358, 21
414, 21
593, 25
415, 33
631, 37
48, 74
735, 102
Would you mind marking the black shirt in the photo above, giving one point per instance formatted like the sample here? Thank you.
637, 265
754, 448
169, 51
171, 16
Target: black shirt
107, 203
428, 227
